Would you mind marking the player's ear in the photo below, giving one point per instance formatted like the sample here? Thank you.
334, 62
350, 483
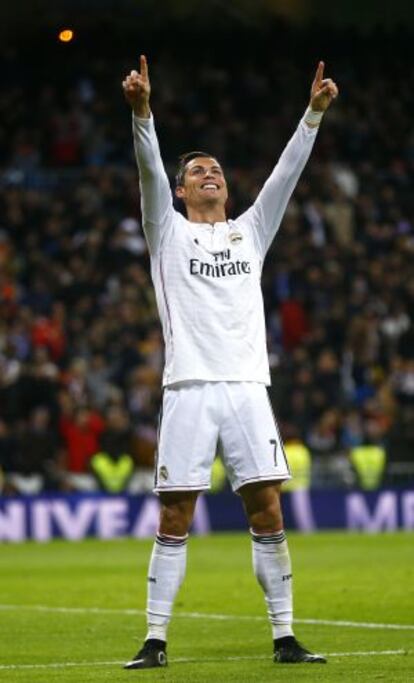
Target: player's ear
179, 191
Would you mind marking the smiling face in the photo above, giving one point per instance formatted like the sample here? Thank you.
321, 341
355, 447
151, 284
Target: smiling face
203, 184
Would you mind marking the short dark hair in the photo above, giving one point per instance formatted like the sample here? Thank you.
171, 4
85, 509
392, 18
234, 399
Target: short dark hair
184, 159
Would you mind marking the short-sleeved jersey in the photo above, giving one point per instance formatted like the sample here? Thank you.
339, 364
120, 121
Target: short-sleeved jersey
207, 278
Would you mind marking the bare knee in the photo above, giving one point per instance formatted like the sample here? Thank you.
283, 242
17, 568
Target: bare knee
262, 506
269, 519
177, 511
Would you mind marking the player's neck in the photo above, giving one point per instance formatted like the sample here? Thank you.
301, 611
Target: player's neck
216, 214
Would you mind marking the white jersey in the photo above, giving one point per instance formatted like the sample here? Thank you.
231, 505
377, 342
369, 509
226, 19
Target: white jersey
207, 277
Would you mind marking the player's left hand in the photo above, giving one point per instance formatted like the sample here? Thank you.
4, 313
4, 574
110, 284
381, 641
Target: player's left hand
323, 90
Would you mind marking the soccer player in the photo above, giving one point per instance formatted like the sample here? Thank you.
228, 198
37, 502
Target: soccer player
206, 271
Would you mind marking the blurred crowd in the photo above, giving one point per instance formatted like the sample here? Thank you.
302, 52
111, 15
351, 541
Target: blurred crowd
81, 350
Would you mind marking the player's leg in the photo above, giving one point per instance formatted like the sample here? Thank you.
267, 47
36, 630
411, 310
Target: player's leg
272, 567
186, 448
271, 560
256, 464
165, 575
168, 560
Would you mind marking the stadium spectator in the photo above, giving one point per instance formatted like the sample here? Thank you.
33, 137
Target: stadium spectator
80, 431
35, 464
113, 465
8, 456
299, 459
369, 462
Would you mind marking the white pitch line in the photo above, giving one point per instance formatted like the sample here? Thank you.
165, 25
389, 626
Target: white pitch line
184, 660
206, 615
58, 665
371, 653
356, 624
73, 610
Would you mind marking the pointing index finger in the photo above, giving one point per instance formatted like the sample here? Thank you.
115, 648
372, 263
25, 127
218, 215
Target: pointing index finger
319, 73
143, 67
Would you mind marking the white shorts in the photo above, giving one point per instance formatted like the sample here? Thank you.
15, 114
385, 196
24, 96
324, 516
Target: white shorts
196, 416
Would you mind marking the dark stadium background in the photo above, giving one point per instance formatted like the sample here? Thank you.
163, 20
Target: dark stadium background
80, 343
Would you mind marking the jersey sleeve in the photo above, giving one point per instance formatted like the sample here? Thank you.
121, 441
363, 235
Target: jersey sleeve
265, 215
156, 199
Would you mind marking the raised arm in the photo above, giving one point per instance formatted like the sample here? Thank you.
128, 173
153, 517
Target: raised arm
156, 198
270, 205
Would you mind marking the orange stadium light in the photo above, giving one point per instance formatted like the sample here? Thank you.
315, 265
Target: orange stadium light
66, 35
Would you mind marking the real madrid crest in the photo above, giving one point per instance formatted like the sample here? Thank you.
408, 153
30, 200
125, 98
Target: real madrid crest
235, 237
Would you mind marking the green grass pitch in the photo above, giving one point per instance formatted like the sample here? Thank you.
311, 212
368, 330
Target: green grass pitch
337, 577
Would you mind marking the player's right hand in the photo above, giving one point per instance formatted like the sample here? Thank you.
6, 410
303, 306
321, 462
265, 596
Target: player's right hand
137, 90
323, 90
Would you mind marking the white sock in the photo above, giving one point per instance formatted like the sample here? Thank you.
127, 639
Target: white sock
272, 567
166, 573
